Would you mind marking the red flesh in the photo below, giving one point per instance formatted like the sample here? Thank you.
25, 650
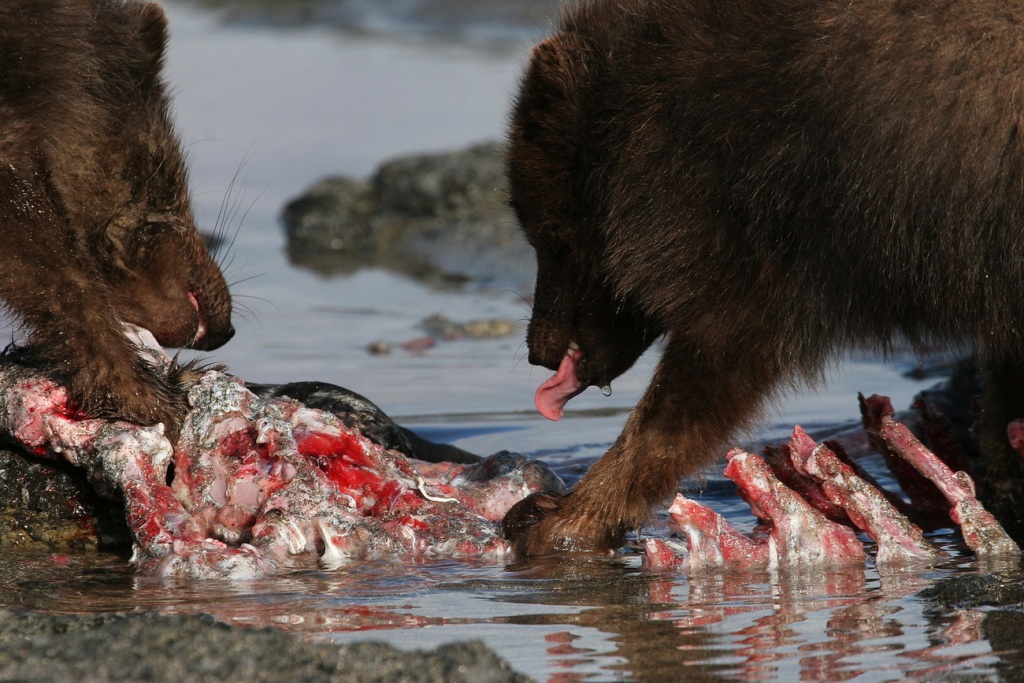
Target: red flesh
982, 533
898, 540
800, 534
712, 540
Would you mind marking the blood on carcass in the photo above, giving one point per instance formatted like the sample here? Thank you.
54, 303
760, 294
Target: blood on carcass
899, 540
713, 542
332, 446
260, 486
800, 534
982, 533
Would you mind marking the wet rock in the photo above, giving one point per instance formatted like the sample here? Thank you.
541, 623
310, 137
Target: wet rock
978, 590
151, 647
998, 600
441, 218
378, 347
50, 506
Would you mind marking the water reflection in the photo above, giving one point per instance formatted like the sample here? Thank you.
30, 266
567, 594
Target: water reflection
584, 619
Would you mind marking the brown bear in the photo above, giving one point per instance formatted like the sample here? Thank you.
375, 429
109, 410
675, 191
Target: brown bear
94, 205
764, 183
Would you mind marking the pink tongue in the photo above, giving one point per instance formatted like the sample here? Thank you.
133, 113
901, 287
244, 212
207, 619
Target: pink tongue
552, 396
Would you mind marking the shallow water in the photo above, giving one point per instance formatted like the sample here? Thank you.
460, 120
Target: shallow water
278, 109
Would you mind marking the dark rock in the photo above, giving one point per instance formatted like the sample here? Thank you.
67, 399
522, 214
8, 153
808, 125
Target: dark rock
441, 218
152, 647
439, 328
50, 506
977, 590
1000, 598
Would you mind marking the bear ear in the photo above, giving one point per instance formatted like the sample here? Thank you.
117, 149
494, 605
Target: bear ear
153, 32
556, 68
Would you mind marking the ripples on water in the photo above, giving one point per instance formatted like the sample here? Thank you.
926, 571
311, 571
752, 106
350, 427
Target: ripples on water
289, 107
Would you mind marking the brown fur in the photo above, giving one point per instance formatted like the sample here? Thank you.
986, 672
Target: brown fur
766, 182
94, 207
